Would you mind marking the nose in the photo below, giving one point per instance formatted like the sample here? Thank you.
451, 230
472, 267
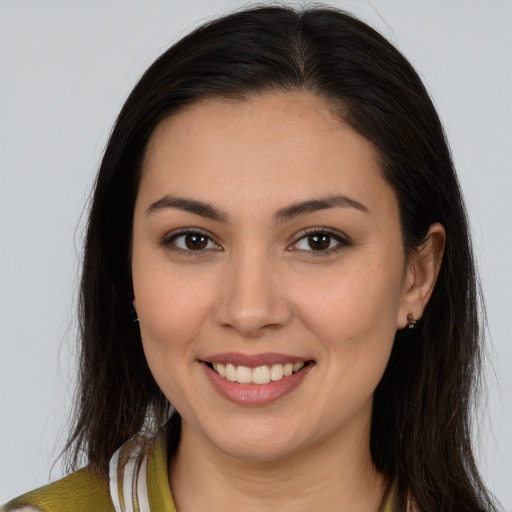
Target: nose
252, 299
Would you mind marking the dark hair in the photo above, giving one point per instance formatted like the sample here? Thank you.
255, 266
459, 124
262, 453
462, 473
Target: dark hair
420, 435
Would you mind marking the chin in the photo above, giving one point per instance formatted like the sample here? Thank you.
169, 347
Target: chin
259, 451
260, 443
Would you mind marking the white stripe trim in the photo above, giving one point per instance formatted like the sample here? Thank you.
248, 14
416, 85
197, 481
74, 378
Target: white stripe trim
114, 491
129, 470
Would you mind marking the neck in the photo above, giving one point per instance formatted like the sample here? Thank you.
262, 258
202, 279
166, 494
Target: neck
333, 475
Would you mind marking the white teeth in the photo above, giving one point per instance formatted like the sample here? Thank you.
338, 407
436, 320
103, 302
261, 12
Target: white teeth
243, 374
221, 369
276, 372
287, 369
261, 375
230, 372
258, 375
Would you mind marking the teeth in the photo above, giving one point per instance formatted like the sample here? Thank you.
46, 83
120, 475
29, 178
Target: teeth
259, 375
230, 372
243, 374
221, 369
276, 372
297, 367
287, 369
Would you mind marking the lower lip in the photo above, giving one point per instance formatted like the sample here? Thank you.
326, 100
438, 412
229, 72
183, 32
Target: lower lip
255, 394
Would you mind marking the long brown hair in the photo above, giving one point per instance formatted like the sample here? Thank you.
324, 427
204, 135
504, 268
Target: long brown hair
421, 425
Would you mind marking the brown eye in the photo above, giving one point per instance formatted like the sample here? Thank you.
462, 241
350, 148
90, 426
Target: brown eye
192, 241
319, 242
195, 242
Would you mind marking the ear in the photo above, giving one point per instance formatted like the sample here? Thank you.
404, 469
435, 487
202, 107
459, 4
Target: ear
421, 275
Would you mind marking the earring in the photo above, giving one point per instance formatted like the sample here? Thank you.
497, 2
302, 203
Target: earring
411, 321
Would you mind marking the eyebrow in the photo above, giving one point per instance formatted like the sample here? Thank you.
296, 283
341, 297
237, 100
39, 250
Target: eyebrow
285, 214
312, 205
189, 205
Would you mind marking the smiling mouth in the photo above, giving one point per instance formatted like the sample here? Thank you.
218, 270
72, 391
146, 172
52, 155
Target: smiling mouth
259, 375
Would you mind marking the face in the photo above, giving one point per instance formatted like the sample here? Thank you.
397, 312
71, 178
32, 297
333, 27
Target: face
268, 273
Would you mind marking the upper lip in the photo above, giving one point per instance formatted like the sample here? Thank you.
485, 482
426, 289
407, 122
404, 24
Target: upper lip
254, 360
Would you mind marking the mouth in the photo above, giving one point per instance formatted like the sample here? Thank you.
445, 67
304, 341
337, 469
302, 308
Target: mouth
259, 375
255, 379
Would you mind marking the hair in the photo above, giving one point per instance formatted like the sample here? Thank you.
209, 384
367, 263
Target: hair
423, 406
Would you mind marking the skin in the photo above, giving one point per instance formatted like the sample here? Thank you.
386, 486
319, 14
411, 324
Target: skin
259, 287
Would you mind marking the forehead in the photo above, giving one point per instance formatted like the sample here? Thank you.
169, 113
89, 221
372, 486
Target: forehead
279, 146
274, 118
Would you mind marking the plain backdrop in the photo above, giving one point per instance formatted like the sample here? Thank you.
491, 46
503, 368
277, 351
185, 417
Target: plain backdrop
65, 69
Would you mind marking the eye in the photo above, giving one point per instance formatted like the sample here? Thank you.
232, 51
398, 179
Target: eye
320, 241
190, 241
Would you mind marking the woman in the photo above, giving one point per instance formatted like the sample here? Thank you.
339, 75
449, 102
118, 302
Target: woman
278, 247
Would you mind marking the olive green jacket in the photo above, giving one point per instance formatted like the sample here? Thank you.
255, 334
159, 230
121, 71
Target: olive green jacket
134, 485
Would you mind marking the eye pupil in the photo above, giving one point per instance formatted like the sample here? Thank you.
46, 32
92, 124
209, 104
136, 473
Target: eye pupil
319, 242
195, 242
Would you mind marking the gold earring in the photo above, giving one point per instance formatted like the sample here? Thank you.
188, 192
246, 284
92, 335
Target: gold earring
411, 321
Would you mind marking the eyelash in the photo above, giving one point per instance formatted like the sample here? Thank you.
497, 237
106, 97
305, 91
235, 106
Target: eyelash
170, 241
342, 241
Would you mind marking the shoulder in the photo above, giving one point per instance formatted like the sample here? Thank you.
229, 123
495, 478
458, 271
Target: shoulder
82, 491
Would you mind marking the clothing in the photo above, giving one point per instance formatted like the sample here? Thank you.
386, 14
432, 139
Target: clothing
85, 491
134, 485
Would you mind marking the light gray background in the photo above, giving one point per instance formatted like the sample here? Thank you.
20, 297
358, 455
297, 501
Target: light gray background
65, 69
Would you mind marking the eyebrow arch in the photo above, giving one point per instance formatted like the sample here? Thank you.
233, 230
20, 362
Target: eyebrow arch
189, 205
283, 215
312, 205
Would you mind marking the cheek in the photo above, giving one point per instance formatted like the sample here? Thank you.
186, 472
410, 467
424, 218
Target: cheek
353, 313
166, 314
354, 321
365, 296
172, 314
172, 307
